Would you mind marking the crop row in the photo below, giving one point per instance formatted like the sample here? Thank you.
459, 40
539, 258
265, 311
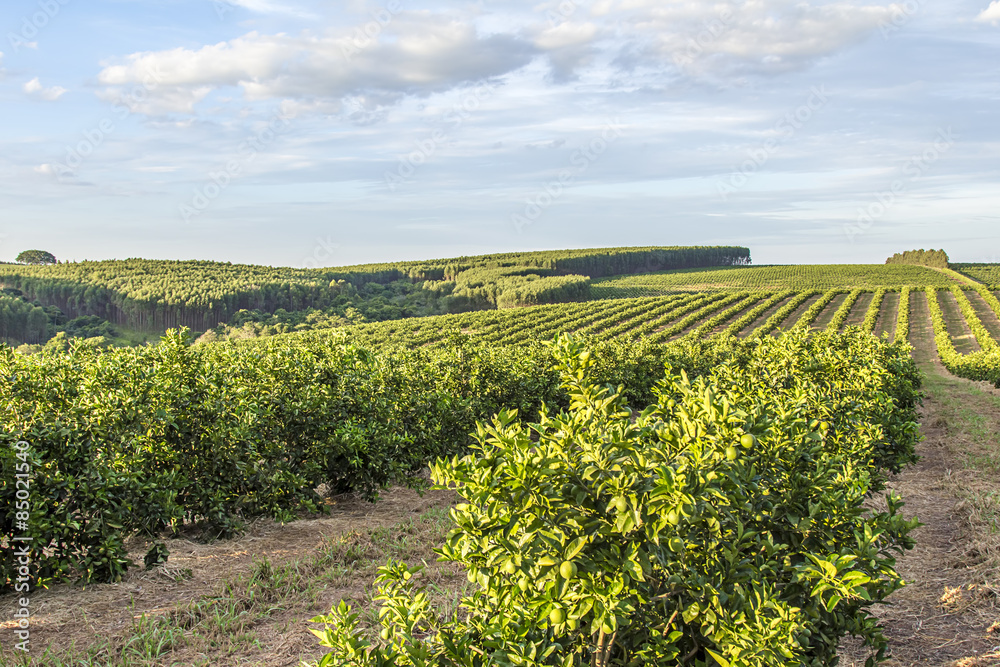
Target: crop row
903, 316
816, 308
874, 308
206, 437
661, 319
781, 314
772, 279
982, 336
980, 365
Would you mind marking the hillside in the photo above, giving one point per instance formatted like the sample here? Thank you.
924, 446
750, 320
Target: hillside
153, 295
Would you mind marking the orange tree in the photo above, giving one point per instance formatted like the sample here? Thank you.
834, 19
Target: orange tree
721, 526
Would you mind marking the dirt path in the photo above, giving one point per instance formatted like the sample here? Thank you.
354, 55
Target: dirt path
66, 618
942, 615
796, 315
887, 316
764, 317
948, 612
859, 309
831, 309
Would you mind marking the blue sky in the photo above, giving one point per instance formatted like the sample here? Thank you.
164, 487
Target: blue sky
320, 133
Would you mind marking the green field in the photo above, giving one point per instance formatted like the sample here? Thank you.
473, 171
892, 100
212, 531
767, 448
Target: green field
154, 295
988, 274
757, 411
797, 277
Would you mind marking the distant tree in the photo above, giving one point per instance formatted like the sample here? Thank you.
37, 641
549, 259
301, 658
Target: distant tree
35, 257
934, 258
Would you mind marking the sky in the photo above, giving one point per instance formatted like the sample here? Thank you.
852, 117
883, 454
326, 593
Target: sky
313, 133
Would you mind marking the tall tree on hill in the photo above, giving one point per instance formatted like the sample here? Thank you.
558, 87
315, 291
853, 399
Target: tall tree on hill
36, 257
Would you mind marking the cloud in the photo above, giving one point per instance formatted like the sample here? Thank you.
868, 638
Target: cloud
991, 14
35, 89
756, 36
419, 54
569, 46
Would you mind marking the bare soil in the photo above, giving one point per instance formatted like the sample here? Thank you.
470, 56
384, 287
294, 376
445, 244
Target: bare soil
831, 309
764, 317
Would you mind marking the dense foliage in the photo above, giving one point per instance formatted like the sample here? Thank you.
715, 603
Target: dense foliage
937, 259
724, 525
23, 321
174, 436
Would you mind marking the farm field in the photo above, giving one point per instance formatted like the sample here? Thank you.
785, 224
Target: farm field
988, 274
772, 278
459, 368
691, 315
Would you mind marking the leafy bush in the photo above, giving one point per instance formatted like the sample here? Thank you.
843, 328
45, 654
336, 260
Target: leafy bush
722, 525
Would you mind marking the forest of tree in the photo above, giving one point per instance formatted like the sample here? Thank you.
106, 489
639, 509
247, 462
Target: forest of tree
153, 295
27, 322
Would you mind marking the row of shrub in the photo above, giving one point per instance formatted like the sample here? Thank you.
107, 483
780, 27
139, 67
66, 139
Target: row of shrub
983, 364
174, 437
725, 524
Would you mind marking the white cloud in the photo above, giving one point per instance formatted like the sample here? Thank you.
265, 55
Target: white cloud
419, 53
991, 14
422, 54
35, 89
569, 46
760, 36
